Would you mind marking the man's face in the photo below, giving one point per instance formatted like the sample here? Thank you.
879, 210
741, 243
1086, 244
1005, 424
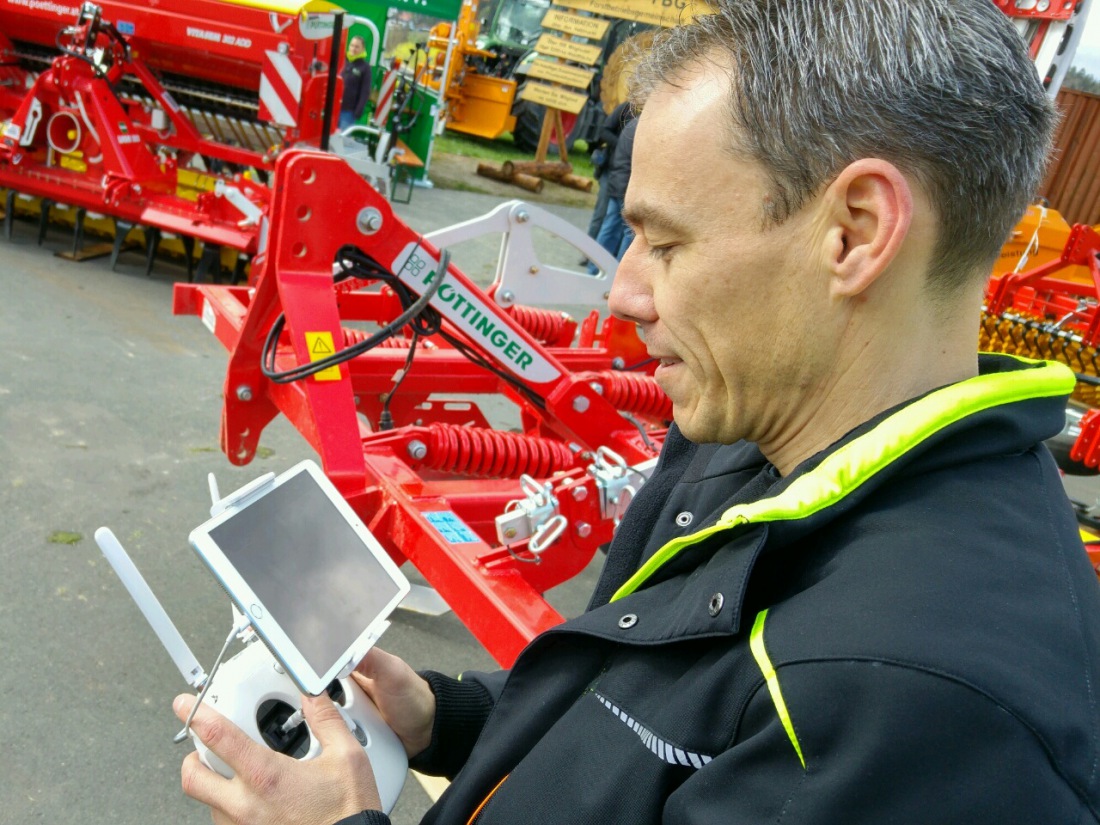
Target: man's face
355, 48
725, 301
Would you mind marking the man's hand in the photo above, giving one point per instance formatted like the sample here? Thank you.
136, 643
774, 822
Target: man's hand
401, 696
269, 788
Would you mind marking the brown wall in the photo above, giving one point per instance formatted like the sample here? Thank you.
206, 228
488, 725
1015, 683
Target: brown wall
1073, 182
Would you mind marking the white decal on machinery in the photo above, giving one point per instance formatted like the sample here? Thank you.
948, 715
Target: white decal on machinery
463, 308
280, 90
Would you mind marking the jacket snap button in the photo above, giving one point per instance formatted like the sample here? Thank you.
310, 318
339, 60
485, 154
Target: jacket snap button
684, 519
715, 606
629, 620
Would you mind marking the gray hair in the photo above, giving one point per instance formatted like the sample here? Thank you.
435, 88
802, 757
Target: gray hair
943, 89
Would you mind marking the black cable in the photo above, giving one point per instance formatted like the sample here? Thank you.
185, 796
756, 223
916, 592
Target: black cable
361, 265
479, 360
424, 320
385, 420
638, 366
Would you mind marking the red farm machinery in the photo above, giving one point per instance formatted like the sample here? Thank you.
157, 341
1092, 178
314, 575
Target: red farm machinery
188, 118
164, 116
386, 358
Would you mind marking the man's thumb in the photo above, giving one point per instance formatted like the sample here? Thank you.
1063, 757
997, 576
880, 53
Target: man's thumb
324, 719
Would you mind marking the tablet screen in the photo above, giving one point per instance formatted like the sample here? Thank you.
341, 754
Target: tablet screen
308, 567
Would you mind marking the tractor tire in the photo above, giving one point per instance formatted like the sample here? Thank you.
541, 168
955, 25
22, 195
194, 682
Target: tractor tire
528, 127
619, 68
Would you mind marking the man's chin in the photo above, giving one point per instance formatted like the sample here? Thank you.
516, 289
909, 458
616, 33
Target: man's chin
699, 428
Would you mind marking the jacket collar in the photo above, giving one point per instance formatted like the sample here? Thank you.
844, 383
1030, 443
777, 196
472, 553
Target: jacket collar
845, 473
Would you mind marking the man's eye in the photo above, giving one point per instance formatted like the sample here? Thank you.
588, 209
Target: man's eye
661, 253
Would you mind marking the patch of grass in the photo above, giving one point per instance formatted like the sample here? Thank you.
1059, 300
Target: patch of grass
264, 452
502, 149
64, 537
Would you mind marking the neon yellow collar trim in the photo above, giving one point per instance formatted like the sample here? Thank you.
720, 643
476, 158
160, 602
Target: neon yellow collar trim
852, 465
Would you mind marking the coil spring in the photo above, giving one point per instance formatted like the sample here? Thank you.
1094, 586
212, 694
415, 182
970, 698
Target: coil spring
493, 454
634, 393
544, 325
355, 336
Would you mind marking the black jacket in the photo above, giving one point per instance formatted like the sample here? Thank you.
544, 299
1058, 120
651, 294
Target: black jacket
618, 173
356, 75
904, 630
608, 138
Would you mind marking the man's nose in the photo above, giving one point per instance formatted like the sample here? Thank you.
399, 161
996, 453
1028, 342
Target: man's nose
631, 298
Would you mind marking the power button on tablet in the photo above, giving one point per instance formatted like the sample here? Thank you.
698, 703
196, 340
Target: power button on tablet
256, 611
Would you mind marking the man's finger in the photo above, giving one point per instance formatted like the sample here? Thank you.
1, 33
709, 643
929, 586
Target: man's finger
202, 784
234, 746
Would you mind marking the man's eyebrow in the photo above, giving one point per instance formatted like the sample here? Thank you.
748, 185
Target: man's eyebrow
643, 214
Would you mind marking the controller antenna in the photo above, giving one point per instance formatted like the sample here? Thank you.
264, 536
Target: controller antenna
151, 607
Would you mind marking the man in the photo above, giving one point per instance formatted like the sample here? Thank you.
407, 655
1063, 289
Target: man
356, 76
852, 592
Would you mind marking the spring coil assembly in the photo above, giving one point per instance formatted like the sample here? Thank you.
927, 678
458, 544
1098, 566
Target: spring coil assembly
634, 393
545, 325
492, 454
354, 336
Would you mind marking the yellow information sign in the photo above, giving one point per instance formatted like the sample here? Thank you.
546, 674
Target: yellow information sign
553, 97
591, 27
320, 346
73, 163
667, 13
552, 46
573, 76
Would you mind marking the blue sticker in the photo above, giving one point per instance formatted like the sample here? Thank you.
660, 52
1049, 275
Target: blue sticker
125, 28
451, 527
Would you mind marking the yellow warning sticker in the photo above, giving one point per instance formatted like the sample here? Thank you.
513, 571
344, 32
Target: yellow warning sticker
73, 162
320, 346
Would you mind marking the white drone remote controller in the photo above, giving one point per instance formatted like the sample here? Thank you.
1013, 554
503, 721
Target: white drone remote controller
254, 692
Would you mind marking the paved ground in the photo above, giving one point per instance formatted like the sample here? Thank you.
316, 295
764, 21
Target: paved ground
109, 410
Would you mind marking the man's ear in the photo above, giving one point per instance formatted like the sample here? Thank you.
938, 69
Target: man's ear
869, 209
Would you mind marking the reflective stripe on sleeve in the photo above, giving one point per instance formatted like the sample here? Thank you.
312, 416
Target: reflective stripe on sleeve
756, 644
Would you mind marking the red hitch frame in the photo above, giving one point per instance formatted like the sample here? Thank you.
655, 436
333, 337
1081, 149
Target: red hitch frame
492, 519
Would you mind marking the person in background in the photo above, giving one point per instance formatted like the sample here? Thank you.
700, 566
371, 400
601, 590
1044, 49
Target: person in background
614, 234
356, 76
610, 130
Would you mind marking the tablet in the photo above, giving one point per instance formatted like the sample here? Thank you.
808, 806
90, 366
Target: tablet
298, 562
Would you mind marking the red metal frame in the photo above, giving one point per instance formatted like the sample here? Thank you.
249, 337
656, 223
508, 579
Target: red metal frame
1038, 10
78, 137
221, 42
1037, 293
402, 479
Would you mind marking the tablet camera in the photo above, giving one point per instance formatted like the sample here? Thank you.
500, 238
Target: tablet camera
271, 717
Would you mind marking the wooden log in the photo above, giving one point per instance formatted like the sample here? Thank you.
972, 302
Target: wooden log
551, 170
576, 182
528, 182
